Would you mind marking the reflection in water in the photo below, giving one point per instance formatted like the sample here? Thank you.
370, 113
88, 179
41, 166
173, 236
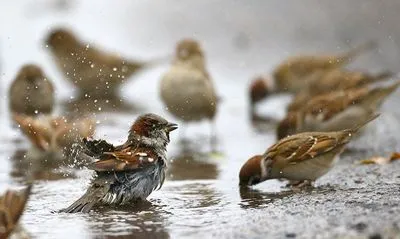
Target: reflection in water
192, 205
190, 163
263, 123
254, 198
190, 168
197, 196
144, 220
48, 167
112, 104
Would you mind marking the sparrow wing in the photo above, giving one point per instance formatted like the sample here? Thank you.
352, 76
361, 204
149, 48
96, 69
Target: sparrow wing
96, 148
328, 105
12, 204
300, 147
125, 159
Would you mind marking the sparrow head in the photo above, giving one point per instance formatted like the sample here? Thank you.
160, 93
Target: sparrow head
188, 48
259, 89
151, 130
287, 126
30, 72
60, 37
254, 171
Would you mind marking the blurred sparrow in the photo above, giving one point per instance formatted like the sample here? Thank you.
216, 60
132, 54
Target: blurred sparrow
53, 135
31, 92
12, 205
129, 172
294, 74
94, 72
258, 91
300, 157
290, 74
335, 111
337, 79
186, 88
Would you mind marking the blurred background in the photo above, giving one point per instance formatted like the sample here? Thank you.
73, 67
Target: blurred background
241, 39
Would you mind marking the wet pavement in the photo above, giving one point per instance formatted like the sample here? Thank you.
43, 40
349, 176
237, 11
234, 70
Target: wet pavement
201, 197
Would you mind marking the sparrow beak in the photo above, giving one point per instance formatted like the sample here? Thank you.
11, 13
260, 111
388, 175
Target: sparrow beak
171, 127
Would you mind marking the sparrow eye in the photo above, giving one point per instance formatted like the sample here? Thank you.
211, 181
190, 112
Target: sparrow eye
161, 161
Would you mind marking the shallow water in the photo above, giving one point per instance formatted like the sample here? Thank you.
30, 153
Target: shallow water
201, 197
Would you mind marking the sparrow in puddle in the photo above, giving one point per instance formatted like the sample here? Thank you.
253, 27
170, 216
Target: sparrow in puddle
31, 92
129, 172
12, 205
337, 79
300, 157
294, 73
96, 73
186, 88
53, 136
335, 111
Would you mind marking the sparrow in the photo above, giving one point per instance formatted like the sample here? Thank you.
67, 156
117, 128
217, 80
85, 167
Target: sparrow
186, 88
337, 79
96, 73
31, 92
51, 135
334, 111
294, 73
300, 157
12, 205
258, 91
128, 172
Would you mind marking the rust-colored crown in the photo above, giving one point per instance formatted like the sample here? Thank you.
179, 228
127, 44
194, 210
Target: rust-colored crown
258, 89
250, 169
144, 123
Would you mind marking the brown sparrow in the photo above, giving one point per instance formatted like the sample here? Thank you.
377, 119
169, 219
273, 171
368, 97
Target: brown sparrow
94, 72
337, 79
129, 172
186, 88
31, 92
12, 205
294, 73
53, 135
300, 157
335, 111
